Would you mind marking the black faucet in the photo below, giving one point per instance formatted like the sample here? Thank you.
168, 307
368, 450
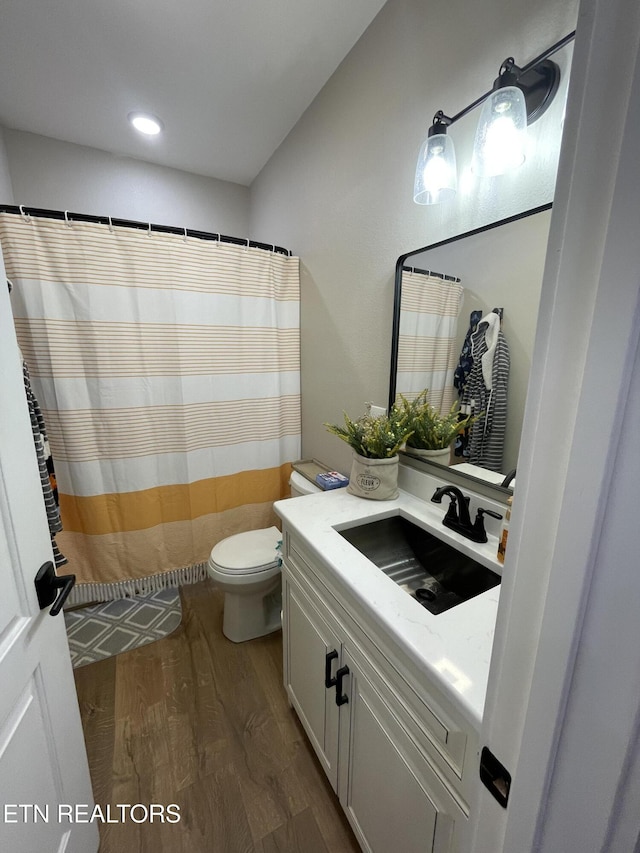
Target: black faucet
457, 516
509, 477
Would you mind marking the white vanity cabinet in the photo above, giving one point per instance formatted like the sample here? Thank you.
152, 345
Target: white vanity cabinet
398, 761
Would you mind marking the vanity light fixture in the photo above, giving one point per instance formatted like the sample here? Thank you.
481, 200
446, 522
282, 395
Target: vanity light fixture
146, 123
519, 96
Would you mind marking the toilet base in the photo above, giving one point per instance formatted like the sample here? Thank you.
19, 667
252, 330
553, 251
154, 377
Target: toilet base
247, 617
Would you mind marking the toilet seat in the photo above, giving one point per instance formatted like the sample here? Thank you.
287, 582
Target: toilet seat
251, 552
256, 570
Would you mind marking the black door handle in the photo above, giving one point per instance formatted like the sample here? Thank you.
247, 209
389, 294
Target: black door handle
328, 680
47, 586
341, 698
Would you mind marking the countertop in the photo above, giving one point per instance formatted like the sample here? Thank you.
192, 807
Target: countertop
453, 649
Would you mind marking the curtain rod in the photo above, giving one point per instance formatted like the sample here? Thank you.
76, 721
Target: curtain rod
68, 216
441, 275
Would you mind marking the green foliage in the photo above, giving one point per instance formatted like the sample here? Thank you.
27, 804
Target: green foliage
429, 429
375, 438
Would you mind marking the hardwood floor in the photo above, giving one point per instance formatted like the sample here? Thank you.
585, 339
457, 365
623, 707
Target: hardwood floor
204, 723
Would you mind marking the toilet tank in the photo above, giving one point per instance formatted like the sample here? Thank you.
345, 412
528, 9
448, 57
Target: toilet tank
301, 486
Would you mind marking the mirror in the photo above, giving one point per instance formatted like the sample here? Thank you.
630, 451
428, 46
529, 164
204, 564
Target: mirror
499, 266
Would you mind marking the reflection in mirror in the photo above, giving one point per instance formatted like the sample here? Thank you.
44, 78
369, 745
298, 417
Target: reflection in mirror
438, 290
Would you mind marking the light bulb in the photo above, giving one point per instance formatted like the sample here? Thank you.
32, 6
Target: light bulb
501, 134
146, 123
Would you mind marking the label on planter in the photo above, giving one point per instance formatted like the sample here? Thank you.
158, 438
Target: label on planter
367, 482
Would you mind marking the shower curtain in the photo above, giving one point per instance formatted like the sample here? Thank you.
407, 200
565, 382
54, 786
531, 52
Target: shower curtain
427, 349
168, 372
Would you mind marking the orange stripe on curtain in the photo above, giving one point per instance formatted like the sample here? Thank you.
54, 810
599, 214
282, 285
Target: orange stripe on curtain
148, 557
128, 511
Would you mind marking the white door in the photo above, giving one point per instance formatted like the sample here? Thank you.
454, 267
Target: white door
43, 762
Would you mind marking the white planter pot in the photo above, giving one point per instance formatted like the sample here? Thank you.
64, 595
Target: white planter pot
375, 479
442, 456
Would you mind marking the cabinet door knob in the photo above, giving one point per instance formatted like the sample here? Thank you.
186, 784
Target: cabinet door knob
341, 698
328, 680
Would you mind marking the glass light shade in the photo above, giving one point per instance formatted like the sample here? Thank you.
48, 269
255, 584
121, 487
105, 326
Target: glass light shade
436, 178
501, 134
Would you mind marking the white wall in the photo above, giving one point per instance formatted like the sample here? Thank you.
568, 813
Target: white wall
338, 191
6, 190
48, 173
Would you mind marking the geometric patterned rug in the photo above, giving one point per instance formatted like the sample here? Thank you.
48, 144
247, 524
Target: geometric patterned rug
108, 629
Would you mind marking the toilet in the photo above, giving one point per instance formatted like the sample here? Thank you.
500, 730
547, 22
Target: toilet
246, 567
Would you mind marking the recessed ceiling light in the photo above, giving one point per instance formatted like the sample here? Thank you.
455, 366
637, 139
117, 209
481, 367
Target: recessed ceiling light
146, 123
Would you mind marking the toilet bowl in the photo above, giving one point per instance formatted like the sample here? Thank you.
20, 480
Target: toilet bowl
246, 567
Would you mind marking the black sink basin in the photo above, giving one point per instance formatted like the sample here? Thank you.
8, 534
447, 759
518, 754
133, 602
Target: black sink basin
433, 572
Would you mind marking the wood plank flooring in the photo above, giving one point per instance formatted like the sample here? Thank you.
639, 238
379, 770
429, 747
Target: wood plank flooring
204, 723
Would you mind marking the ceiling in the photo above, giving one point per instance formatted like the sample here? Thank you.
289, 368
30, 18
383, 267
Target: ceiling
229, 78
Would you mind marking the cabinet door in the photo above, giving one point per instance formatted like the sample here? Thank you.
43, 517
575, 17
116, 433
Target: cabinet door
390, 793
312, 652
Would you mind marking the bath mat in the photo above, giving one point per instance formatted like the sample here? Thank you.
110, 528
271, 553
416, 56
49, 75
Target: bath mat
108, 629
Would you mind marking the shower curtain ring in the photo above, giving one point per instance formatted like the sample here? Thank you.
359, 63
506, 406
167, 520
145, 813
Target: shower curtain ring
25, 216
185, 235
66, 218
111, 228
149, 230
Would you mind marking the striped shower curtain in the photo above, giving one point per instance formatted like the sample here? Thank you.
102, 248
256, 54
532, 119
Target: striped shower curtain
168, 372
427, 349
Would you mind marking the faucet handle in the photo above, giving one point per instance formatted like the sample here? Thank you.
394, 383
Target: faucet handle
478, 525
482, 511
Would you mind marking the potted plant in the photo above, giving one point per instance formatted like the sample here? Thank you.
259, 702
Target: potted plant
432, 433
375, 442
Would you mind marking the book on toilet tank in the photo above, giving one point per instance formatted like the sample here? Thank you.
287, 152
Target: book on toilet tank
331, 480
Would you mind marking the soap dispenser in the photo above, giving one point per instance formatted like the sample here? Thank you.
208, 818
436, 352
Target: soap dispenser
504, 533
